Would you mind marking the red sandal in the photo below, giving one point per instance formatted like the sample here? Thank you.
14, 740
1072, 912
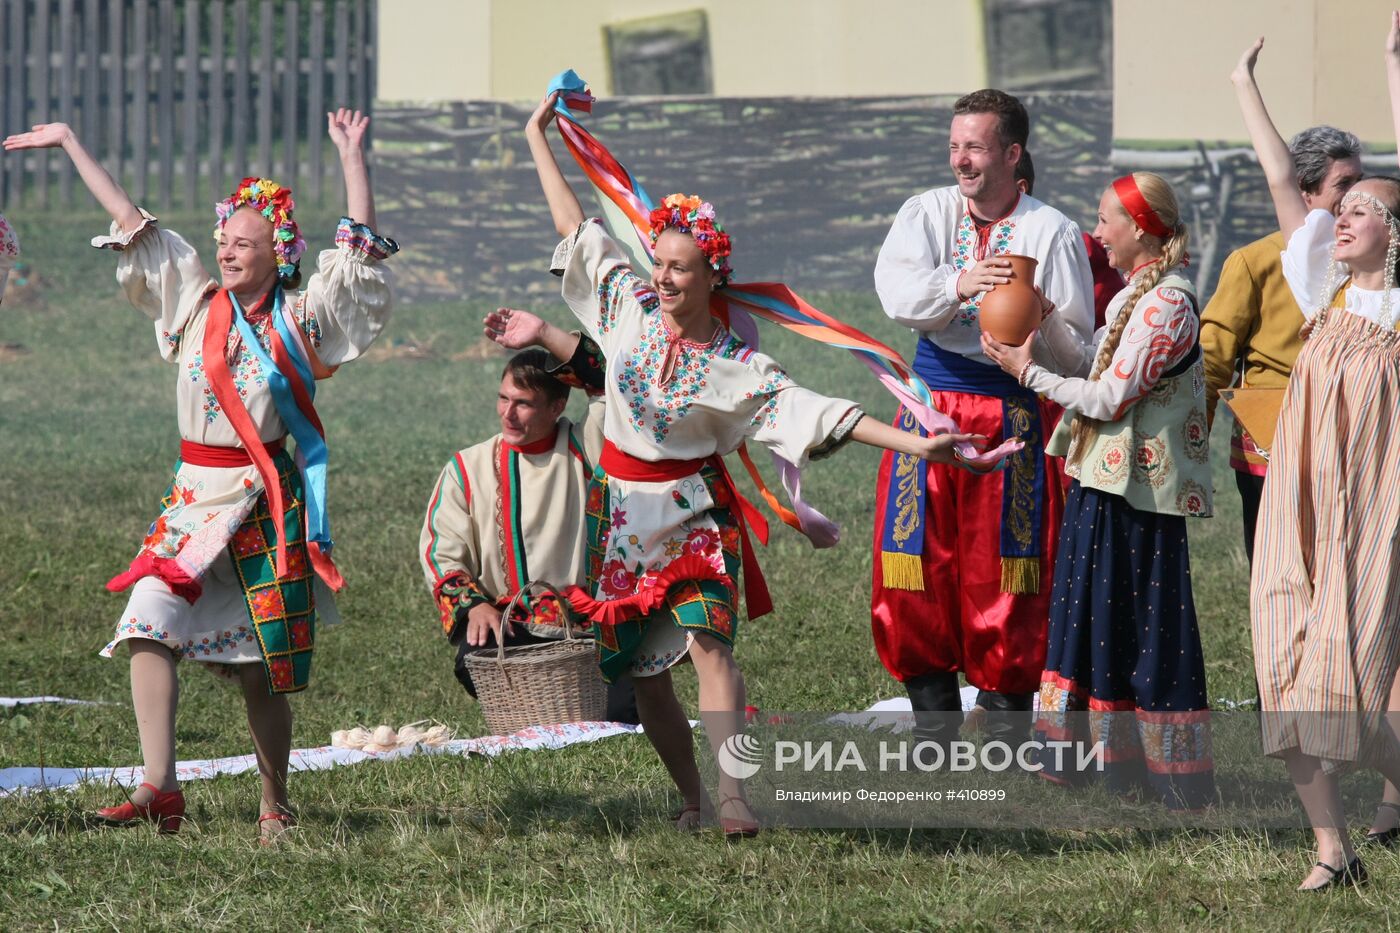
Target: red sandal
278, 817
166, 809
736, 828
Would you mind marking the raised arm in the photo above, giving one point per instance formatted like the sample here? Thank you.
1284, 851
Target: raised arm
1392, 72
347, 131
1269, 146
563, 203
109, 194
516, 330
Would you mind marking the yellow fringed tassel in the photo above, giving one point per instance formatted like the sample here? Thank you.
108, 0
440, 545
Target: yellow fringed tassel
901, 571
1020, 575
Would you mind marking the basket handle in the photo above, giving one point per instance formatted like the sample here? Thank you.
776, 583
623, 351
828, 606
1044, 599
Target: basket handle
515, 604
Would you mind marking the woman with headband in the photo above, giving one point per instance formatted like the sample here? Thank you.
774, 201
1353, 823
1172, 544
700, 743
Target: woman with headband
1325, 588
1123, 637
236, 570
669, 529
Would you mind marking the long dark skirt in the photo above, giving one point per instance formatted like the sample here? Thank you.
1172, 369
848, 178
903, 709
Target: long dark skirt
1124, 663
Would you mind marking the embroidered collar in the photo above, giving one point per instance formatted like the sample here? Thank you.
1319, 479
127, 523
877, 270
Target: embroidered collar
983, 230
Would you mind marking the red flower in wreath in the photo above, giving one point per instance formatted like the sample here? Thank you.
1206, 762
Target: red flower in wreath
616, 579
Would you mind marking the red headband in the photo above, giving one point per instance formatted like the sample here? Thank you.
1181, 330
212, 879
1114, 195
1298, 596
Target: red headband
1137, 207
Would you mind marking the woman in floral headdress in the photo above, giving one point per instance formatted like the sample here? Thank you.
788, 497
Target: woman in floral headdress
1325, 588
669, 529
236, 569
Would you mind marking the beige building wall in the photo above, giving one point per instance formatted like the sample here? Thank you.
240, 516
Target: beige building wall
1321, 64
433, 50
509, 49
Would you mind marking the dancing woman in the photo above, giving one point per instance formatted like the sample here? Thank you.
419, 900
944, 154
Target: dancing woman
235, 570
1325, 589
669, 529
1123, 635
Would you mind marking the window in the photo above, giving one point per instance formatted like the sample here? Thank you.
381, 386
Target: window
1050, 44
660, 55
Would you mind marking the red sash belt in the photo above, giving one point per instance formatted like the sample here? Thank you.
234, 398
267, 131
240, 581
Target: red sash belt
621, 465
204, 455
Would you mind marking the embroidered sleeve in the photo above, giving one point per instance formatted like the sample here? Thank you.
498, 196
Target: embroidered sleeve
447, 549
347, 300
914, 274
584, 370
793, 422
1065, 341
1160, 333
161, 275
600, 285
9, 253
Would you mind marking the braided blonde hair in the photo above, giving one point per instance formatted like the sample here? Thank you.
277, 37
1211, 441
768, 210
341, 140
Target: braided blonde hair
1160, 197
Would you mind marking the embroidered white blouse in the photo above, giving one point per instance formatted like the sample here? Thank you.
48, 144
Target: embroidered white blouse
933, 239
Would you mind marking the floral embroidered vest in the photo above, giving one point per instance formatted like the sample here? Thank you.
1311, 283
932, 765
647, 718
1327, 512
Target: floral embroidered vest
1157, 456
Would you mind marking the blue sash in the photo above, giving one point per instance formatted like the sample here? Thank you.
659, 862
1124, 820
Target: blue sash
1023, 483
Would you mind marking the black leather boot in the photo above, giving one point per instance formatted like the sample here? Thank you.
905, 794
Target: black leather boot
1008, 716
937, 706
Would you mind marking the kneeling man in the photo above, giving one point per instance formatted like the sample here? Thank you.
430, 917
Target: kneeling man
511, 510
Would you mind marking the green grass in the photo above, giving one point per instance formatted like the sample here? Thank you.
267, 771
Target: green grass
576, 838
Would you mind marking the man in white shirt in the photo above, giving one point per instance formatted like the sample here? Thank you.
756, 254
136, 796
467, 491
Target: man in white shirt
962, 577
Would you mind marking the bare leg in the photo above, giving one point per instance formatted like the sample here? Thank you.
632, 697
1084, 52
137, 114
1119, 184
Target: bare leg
270, 723
1321, 796
155, 691
668, 730
1388, 817
722, 698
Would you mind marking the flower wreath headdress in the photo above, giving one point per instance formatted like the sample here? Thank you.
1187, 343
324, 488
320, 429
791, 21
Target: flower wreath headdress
275, 203
688, 214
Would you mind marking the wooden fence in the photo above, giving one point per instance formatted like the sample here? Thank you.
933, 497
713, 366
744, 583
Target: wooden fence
181, 98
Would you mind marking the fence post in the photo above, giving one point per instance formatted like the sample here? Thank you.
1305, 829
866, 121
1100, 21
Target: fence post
266, 80
341, 63
218, 99
39, 49
165, 102
190, 137
291, 72
18, 115
92, 81
316, 102
140, 101
240, 87
67, 66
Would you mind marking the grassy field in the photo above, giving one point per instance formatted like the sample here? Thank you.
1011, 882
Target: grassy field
576, 838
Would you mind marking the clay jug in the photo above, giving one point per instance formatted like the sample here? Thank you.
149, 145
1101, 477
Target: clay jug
1011, 312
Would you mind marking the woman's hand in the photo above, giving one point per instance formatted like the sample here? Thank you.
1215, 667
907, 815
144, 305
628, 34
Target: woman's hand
347, 130
514, 330
544, 113
939, 447
1010, 358
1244, 68
42, 136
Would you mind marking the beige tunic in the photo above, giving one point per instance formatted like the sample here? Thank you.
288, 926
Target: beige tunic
500, 517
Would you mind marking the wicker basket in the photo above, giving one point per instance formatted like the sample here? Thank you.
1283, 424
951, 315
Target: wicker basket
538, 685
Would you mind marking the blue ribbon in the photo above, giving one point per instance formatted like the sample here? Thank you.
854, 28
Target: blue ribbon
312, 454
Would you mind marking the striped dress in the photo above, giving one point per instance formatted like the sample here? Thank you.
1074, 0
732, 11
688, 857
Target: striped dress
1325, 589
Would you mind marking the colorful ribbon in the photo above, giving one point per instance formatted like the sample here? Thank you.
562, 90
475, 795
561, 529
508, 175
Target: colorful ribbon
618, 188
291, 369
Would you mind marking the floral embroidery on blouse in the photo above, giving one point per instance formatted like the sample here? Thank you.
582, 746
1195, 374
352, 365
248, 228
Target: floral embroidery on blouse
611, 291
964, 255
653, 407
247, 375
768, 390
